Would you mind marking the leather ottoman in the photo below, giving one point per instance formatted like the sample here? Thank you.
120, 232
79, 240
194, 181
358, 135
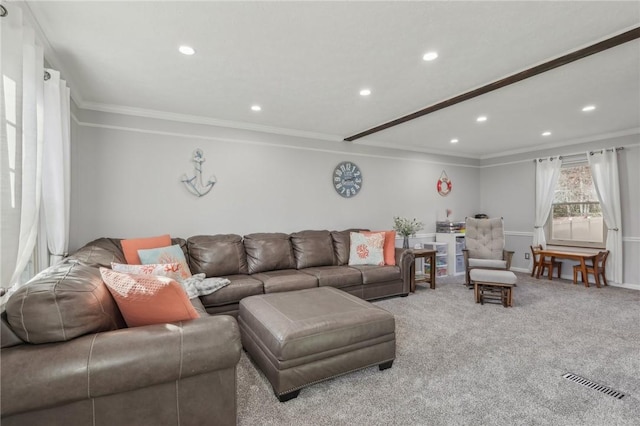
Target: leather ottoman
302, 337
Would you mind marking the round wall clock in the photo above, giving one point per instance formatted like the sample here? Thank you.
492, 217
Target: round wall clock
347, 179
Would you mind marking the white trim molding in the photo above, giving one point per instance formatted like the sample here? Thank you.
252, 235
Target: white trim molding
139, 129
626, 285
519, 234
562, 144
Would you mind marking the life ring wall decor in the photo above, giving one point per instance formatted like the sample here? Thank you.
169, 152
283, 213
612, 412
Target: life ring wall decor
444, 184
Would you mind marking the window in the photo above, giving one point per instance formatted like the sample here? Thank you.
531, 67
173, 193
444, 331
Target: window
576, 217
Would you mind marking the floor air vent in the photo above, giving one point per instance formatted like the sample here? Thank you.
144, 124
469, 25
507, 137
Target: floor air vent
595, 386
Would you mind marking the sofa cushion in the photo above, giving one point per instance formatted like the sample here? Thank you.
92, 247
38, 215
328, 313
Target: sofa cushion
312, 248
488, 263
148, 299
100, 252
217, 255
130, 247
335, 276
378, 274
484, 238
8, 337
268, 252
286, 280
61, 303
240, 287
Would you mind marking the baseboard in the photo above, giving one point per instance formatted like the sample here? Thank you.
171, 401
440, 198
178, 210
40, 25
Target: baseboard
626, 285
570, 278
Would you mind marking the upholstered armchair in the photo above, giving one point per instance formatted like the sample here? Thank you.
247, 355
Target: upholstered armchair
484, 241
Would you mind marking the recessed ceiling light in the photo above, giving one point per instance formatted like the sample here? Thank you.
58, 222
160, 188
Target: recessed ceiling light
589, 108
186, 50
365, 92
454, 140
547, 133
430, 56
481, 118
256, 108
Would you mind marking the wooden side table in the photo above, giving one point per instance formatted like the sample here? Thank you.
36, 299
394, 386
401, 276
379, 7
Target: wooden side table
430, 256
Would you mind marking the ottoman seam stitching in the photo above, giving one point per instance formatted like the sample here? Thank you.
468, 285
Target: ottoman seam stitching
347, 328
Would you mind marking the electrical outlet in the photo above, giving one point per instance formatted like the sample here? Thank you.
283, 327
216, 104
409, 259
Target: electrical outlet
526, 256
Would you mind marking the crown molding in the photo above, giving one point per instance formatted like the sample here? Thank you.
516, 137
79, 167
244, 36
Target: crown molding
187, 135
412, 148
562, 144
195, 119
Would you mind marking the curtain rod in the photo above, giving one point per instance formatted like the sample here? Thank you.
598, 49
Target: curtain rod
577, 154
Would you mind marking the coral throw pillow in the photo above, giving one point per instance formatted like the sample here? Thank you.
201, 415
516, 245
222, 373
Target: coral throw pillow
131, 247
148, 299
389, 248
171, 254
366, 249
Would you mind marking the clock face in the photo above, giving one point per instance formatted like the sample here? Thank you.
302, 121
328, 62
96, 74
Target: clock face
347, 179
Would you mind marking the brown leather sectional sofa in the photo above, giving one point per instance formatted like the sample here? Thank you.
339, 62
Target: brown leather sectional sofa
68, 358
274, 262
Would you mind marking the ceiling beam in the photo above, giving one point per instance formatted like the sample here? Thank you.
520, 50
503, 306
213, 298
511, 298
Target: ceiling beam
614, 41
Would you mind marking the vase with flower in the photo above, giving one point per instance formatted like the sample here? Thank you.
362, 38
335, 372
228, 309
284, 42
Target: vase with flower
406, 228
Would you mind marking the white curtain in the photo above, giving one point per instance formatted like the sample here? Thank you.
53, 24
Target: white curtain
547, 173
54, 225
21, 130
604, 170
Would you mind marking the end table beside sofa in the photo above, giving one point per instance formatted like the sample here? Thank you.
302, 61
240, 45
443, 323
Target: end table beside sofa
68, 358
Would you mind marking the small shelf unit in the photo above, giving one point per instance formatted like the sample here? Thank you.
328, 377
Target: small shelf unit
442, 258
455, 258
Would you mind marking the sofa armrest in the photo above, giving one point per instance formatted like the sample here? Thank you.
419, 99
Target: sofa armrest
405, 259
507, 255
95, 365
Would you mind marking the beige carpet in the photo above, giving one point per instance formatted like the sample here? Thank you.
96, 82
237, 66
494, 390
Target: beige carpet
460, 363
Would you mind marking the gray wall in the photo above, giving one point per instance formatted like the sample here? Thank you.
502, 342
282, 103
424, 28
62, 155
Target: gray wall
126, 181
508, 185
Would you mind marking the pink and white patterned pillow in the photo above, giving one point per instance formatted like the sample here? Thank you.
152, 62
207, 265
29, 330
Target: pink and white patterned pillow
366, 249
171, 254
171, 270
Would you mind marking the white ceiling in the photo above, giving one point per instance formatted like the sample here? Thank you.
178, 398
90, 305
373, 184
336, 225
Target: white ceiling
305, 62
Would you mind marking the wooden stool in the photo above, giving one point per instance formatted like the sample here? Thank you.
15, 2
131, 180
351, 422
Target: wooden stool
493, 285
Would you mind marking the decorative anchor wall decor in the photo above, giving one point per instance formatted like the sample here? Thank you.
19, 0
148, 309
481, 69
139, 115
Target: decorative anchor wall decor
194, 184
